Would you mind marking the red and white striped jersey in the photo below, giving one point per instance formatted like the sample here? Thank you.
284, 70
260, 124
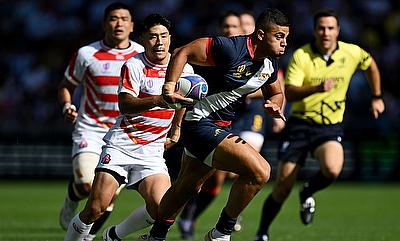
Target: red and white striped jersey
98, 68
141, 78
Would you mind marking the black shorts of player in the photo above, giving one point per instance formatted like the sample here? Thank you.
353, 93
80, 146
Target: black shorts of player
300, 137
252, 118
200, 138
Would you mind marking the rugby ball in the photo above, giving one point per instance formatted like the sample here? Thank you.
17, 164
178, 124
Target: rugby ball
192, 86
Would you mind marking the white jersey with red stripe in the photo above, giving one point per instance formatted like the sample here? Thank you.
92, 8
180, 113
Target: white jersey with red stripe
141, 78
97, 67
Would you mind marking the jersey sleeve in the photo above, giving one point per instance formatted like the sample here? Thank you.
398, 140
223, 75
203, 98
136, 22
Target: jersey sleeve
130, 79
222, 50
76, 68
295, 72
365, 59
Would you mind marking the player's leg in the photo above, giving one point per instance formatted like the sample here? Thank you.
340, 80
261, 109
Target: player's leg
331, 157
286, 178
192, 175
235, 155
196, 206
101, 195
151, 188
83, 165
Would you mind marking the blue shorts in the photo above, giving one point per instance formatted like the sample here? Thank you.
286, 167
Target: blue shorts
252, 118
301, 137
201, 138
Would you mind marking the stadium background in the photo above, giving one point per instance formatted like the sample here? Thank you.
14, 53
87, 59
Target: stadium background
38, 38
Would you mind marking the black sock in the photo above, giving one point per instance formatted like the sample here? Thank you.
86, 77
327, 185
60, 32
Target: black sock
113, 235
225, 223
270, 209
189, 209
99, 222
318, 182
160, 229
71, 193
202, 200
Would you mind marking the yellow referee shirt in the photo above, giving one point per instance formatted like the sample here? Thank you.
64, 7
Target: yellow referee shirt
308, 68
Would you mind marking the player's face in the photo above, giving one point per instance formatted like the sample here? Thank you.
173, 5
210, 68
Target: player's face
274, 41
117, 26
247, 23
326, 33
156, 44
231, 26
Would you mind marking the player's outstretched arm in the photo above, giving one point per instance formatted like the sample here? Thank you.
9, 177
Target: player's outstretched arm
374, 79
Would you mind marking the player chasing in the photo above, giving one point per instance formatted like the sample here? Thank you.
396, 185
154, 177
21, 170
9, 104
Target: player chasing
133, 153
317, 81
96, 67
245, 64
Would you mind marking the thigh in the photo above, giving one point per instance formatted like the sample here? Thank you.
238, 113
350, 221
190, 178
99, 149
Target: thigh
235, 155
331, 157
103, 190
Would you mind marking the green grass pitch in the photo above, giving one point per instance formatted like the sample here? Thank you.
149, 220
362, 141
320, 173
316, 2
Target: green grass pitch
344, 212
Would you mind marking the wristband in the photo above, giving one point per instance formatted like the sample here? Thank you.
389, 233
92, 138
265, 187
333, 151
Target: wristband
379, 97
68, 106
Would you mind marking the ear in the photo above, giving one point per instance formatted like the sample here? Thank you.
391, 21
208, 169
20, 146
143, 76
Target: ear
260, 34
133, 26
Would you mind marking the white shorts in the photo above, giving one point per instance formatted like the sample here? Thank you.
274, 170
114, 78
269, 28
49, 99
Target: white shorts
84, 140
131, 168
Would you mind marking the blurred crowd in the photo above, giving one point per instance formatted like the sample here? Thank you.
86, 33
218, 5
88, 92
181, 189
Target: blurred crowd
38, 38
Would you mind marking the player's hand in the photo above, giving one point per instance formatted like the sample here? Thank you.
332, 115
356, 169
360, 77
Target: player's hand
277, 125
173, 99
327, 85
377, 107
173, 138
70, 113
274, 110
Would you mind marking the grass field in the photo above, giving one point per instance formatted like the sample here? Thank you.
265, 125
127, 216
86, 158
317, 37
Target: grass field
345, 211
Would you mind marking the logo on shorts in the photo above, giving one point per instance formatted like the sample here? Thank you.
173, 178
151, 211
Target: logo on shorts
83, 144
106, 159
285, 145
217, 132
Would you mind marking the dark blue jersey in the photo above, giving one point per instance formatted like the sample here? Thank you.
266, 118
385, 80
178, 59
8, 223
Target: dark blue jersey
232, 77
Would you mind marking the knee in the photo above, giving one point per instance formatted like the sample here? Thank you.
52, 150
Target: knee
83, 189
262, 173
331, 173
92, 212
281, 191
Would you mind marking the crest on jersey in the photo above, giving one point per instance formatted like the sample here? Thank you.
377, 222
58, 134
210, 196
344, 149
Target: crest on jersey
106, 66
263, 76
106, 159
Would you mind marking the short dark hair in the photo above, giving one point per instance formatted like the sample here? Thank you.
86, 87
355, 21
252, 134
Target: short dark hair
228, 14
153, 20
114, 6
271, 16
325, 13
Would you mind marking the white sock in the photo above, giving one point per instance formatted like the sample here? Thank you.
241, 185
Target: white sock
77, 230
217, 234
137, 220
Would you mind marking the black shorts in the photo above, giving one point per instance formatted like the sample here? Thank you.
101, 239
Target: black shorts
300, 137
201, 138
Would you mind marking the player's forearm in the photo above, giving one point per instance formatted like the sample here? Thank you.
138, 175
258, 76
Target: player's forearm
297, 93
130, 105
374, 79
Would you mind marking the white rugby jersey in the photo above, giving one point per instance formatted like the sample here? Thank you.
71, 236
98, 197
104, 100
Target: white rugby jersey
98, 68
141, 78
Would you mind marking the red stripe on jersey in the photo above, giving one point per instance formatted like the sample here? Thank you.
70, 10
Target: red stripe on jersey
102, 97
145, 95
250, 47
164, 114
150, 72
92, 115
145, 142
110, 113
149, 128
105, 55
88, 109
106, 80
126, 81
210, 58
